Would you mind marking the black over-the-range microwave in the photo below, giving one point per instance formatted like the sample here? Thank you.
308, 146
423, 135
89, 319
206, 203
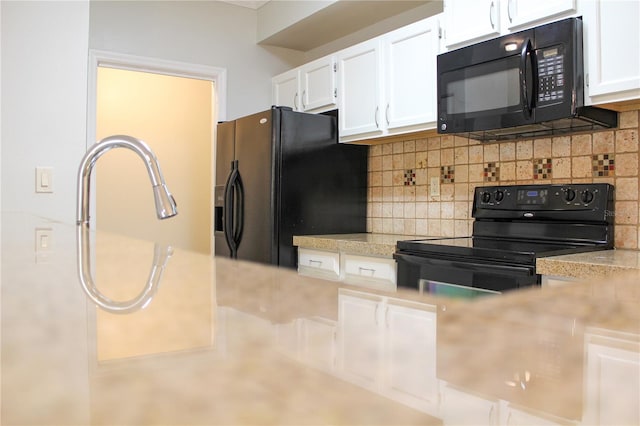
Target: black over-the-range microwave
525, 84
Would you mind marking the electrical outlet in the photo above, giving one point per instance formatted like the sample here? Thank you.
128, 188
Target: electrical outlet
44, 179
434, 186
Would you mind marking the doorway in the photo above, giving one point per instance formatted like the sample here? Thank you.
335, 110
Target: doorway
174, 110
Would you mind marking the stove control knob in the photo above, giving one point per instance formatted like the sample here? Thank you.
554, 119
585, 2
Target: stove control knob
587, 196
499, 195
486, 197
570, 195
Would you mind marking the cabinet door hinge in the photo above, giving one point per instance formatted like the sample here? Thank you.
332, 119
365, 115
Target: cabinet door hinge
335, 93
586, 79
335, 67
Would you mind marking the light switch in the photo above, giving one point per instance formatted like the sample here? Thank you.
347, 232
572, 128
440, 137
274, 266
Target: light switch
44, 239
44, 179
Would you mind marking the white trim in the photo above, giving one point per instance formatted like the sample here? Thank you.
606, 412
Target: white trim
101, 58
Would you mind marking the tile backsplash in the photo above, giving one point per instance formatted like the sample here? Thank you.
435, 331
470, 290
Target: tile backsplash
425, 186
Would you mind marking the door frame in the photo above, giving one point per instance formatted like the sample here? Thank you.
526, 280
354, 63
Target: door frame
123, 61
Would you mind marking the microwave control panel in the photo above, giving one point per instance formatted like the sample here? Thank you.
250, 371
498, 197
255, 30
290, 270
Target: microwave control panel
550, 75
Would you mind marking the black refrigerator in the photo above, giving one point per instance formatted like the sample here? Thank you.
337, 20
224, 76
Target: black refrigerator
281, 173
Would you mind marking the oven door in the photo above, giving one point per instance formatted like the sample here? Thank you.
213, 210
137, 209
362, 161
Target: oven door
462, 277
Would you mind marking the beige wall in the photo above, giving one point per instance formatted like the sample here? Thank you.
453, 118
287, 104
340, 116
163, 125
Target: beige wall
399, 176
173, 116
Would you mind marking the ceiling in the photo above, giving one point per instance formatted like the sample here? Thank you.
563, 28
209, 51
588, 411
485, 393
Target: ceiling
246, 3
337, 19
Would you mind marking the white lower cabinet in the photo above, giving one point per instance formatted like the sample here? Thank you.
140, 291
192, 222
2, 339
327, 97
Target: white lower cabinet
369, 271
375, 272
319, 263
410, 355
511, 415
461, 408
318, 337
388, 346
554, 281
611, 379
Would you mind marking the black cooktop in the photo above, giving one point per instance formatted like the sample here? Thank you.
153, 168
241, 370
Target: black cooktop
489, 249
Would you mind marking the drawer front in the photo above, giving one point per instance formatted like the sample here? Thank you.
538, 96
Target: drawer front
324, 264
370, 270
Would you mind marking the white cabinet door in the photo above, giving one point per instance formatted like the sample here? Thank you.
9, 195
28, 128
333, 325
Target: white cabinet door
410, 354
410, 68
461, 408
524, 12
612, 381
285, 89
359, 80
612, 49
513, 416
467, 20
359, 336
318, 82
319, 342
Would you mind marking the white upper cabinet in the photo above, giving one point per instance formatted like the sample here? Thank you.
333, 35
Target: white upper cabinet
359, 90
309, 88
387, 85
318, 83
410, 66
524, 12
469, 20
612, 50
285, 89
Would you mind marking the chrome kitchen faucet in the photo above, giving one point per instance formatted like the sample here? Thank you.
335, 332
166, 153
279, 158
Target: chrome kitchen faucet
165, 208
164, 201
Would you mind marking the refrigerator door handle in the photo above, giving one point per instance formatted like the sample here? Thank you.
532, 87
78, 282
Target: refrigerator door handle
229, 209
238, 210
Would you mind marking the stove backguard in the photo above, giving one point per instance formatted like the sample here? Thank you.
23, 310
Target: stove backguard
571, 213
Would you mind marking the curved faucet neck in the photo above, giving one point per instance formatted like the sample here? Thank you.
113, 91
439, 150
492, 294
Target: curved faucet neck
164, 201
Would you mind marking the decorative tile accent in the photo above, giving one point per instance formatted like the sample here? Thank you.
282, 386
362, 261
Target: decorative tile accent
542, 168
409, 177
603, 165
491, 172
447, 174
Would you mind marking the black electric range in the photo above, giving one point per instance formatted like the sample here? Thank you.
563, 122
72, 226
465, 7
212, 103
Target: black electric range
513, 226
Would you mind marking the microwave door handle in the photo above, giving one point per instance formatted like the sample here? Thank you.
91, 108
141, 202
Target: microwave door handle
526, 85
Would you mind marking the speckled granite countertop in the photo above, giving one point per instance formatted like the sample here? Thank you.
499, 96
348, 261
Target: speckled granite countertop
364, 244
216, 341
596, 264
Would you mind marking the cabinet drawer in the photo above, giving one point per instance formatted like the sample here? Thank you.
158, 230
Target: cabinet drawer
319, 263
376, 271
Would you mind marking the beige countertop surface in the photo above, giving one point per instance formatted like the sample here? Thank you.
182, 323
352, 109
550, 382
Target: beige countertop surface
595, 264
364, 243
159, 335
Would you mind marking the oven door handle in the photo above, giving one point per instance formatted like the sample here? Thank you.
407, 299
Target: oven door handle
467, 265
